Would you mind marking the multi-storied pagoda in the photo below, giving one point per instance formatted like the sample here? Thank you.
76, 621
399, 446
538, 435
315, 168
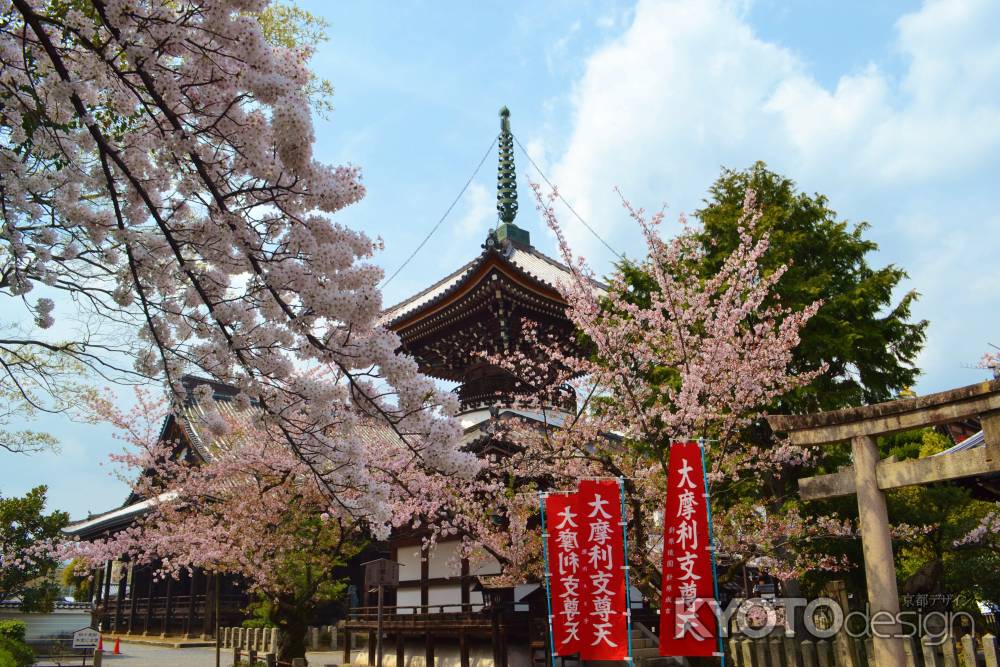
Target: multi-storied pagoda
456, 325
454, 328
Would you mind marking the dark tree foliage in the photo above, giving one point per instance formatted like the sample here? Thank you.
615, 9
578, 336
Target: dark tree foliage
22, 526
868, 342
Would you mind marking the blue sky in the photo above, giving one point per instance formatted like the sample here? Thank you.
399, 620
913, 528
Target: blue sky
889, 108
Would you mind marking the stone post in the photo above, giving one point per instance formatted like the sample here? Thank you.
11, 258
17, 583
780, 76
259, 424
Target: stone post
808, 654
910, 651
880, 569
733, 652
760, 651
969, 650
791, 654
990, 651
236, 656
313, 637
774, 644
930, 651
98, 657
842, 650
823, 654
274, 640
950, 654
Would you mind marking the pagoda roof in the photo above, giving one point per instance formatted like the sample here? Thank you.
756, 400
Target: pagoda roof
524, 263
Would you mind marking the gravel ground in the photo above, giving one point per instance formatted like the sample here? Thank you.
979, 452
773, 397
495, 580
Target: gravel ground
140, 655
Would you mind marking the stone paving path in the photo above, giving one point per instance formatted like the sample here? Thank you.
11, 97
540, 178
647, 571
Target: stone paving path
139, 655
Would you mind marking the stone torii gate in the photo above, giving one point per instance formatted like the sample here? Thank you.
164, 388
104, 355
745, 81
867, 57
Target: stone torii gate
870, 478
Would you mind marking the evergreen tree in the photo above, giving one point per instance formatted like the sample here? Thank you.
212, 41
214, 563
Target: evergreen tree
867, 340
25, 574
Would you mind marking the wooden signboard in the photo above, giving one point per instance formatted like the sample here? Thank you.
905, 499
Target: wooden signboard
381, 572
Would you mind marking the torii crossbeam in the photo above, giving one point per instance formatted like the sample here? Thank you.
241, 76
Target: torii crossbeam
869, 477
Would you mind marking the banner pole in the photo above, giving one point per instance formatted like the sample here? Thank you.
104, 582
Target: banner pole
548, 588
711, 545
628, 592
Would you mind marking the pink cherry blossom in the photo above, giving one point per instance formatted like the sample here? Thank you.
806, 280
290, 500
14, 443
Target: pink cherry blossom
158, 169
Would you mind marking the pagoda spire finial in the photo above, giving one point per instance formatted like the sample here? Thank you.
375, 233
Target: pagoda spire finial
506, 176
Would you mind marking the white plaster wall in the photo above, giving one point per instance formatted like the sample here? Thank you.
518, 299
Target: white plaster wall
406, 597
60, 623
409, 561
489, 566
444, 561
450, 595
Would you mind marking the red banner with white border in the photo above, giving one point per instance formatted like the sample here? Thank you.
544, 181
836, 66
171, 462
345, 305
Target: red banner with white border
562, 516
688, 625
604, 634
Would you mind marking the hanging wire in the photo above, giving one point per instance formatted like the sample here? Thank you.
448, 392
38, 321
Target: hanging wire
563, 200
442, 219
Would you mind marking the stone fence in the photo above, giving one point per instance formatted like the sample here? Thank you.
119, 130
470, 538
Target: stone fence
844, 651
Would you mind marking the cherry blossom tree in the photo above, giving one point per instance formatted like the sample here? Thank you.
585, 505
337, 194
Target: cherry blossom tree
156, 170
699, 358
991, 361
253, 509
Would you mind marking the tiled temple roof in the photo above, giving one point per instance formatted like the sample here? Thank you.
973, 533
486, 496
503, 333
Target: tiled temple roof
524, 260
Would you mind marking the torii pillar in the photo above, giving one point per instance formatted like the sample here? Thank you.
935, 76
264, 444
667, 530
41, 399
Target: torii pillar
870, 478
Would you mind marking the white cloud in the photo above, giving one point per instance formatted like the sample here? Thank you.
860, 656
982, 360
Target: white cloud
688, 87
479, 214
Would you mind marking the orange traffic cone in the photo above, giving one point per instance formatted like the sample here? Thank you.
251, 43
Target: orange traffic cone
118, 646
100, 642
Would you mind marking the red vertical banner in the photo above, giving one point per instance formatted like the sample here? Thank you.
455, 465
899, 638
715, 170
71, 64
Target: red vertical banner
562, 516
688, 625
605, 601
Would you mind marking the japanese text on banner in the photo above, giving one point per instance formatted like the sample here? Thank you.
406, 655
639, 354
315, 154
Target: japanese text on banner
687, 618
603, 555
562, 516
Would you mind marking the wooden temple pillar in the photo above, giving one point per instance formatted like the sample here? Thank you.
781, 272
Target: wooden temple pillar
122, 572
149, 602
192, 589
400, 650
367, 603
463, 639
105, 612
168, 608
95, 595
206, 625
425, 600
136, 571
